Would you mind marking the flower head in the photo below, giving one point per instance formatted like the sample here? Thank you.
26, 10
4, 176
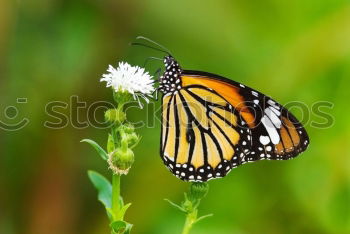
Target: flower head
132, 79
120, 161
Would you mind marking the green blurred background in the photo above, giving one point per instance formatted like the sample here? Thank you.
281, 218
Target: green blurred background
296, 50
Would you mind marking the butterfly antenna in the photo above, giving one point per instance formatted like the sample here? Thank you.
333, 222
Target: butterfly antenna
155, 43
148, 46
151, 41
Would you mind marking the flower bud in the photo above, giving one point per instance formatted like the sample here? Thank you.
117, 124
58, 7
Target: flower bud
120, 161
187, 205
198, 190
132, 138
128, 128
115, 116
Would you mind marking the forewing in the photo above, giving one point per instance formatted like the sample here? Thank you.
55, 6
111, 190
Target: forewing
275, 133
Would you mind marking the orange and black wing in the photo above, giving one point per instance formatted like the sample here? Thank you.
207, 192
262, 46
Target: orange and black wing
213, 124
201, 137
275, 132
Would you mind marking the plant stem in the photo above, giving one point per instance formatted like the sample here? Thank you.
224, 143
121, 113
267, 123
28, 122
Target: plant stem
191, 218
116, 179
116, 195
193, 197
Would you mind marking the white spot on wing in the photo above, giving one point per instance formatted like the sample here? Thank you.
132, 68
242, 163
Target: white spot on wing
273, 108
168, 157
272, 103
271, 130
273, 117
264, 140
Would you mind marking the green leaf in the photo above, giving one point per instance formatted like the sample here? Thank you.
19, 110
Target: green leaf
110, 214
121, 227
175, 205
122, 211
128, 228
118, 226
203, 217
98, 148
104, 189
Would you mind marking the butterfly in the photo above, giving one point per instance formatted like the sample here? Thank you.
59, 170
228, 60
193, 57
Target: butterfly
211, 124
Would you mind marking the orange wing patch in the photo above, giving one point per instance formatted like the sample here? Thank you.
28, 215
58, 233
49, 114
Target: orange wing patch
229, 92
287, 142
289, 137
292, 131
208, 96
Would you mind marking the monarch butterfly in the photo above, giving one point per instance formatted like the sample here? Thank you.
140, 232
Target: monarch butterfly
211, 124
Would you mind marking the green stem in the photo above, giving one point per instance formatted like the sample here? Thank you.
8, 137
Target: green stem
191, 218
116, 179
116, 195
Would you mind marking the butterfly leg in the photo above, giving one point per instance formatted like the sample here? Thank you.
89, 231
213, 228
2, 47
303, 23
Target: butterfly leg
151, 58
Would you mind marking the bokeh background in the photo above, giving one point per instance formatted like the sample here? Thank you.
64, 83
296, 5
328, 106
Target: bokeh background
50, 50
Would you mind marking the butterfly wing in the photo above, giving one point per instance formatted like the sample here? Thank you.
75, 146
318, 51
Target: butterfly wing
214, 124
271, 124
201, 137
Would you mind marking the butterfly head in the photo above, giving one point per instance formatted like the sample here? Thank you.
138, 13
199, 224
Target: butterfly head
170, 81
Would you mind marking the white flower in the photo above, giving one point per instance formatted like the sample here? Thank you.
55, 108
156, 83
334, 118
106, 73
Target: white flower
132, 79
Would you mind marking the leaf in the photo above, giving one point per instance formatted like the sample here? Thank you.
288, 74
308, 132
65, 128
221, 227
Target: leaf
118, 226
203, 217
175, 205
128, 228
103, 187
98, 148
110, 214
121, 227
122, 211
